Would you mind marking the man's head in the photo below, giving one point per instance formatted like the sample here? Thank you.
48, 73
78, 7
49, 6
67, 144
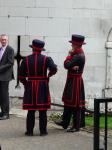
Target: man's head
77, 41
4, 40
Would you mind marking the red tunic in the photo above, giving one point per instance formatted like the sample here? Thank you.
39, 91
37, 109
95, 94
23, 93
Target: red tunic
33, 74
74, 94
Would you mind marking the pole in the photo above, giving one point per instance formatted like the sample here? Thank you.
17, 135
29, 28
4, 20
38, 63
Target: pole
96, 125
105, 137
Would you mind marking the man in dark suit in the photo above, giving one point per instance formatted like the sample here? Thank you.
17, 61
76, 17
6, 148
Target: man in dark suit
33, 74
6, 74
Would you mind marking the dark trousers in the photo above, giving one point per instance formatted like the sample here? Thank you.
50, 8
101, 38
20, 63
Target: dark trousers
4, 97
67, 115
82, 120
30, 121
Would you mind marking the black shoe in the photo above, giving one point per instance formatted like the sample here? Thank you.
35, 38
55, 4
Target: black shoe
29, 133
73, 130
82, 126
4, 117
1, 114
60, 123
43, 133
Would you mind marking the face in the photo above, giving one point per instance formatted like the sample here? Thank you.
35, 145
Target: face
74, 46
4, 40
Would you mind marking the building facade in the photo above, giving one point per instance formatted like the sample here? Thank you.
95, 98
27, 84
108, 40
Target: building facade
54, 21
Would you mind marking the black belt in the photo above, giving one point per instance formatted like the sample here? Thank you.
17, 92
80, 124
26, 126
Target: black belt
37, 78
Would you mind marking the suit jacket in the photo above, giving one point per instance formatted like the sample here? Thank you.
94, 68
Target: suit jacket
6, 64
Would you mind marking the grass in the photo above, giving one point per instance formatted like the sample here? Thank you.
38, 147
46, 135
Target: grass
90, 121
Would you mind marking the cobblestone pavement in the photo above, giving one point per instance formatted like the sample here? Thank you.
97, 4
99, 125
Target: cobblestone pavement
12, 137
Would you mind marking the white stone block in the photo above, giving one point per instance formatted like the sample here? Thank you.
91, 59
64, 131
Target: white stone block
4, 25
62, 57
100, 74
3, 11
54, 3
85, 26
25, 41
55, 57
26, 53
18, 3
104, 13
16, 11
13, 41
88, 73
94, 79
16, 26
95, 45
98, 60
56, 93
58, 27
30, 3
99, 4
108, 4
16, 91
82, 13
57, 44
36, 26
36, 12
93, 89
60, 12
47, 27
10, 3
36, 37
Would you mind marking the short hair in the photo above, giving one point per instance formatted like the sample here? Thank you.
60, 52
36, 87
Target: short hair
2, 35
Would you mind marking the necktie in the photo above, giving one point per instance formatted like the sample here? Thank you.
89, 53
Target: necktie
1, 52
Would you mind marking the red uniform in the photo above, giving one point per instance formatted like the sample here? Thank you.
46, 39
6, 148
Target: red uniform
35, 71
33, 74
73, 94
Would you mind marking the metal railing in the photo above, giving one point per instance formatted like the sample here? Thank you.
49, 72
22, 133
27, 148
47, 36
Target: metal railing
97, 102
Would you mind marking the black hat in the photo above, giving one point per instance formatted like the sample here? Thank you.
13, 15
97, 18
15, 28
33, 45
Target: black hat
77, 39
37, 44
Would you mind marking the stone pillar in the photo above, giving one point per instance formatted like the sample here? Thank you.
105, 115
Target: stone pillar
108, 79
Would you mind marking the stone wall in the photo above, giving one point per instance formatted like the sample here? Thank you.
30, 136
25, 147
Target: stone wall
54, 21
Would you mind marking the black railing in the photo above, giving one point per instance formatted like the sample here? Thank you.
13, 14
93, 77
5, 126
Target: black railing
97, 102
18, 58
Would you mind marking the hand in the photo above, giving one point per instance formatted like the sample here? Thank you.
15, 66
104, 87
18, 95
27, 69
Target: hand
70, 52
75, 68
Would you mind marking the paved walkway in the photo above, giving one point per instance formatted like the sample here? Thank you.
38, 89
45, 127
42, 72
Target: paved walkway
12, 137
